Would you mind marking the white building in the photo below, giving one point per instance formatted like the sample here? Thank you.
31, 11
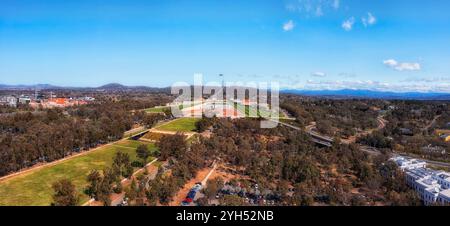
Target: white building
431, 185
89, 98
405, 163
8, 100
444, 197
24, 100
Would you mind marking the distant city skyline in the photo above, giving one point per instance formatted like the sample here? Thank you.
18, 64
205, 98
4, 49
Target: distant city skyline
383, 45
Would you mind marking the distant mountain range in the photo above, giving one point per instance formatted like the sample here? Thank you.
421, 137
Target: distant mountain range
107, 87
338, 94
37, 86
117, 86
350, 93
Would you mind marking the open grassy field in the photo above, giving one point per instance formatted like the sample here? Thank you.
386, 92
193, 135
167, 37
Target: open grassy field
156, 110
252, 111
181, 125
34, 188
161, 109
133, 144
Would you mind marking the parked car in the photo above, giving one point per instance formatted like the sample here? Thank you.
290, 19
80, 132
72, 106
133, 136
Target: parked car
191, 194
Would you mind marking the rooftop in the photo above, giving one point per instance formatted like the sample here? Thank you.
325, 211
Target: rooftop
445, 193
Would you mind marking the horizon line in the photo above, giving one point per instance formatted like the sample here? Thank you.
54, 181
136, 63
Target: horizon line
283, 89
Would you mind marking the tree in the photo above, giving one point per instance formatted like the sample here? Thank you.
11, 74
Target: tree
364, 171
203, 124
149, 120
231, 200
100, 187
203, 201
168, 113
302, 196
142, 152
172, 146
376, 139
121, 166
167, 190
393, 178
94, 178
27, 139
65, 193
131, 192
213, 186
299, 168
324, 127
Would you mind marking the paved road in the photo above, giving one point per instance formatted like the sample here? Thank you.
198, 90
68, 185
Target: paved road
308, 129
431, 123
316, 138
435, 163
367, 149
430, 162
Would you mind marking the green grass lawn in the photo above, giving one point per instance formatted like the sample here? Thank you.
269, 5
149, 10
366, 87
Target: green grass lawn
156, 110
134, 144
162, 109
251, 111
181, 125
34, 188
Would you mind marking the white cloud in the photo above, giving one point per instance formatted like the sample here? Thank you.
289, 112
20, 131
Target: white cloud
439, 85
336, 85
408, 67
288, 26
442, 79
348, 24
402, 66
319, 74
374, 85
369, 20
390, 63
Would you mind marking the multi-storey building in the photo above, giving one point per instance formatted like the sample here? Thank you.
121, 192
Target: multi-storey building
432, 186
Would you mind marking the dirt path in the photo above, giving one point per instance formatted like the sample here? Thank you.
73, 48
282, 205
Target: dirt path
431, 123
221, 171
209, 174
121, 146
201, 177
352, 139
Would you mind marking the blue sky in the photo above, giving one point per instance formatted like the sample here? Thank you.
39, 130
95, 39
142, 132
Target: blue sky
398, 45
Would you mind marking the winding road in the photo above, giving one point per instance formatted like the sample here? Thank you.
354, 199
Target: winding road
327, 141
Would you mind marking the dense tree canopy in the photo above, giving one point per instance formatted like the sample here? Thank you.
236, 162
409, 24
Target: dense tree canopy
65, 193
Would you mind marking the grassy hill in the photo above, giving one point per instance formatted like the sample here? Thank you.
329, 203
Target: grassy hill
34, 188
